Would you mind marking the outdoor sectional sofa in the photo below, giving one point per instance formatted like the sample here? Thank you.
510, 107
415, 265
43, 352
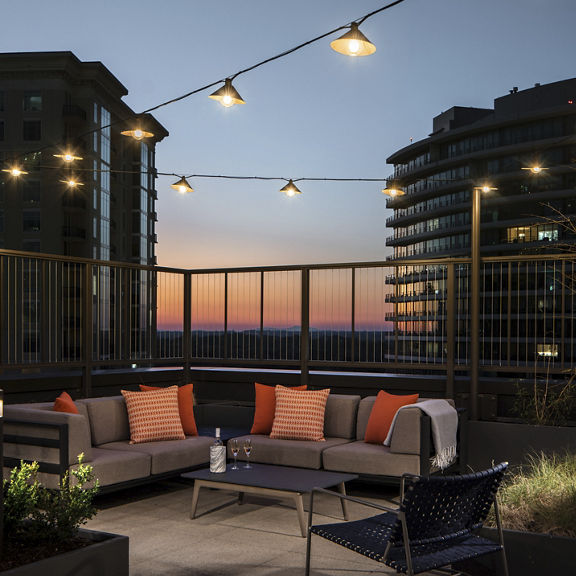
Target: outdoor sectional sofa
101, 432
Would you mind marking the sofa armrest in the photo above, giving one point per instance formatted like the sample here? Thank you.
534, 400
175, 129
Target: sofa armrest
46, 436
31, 441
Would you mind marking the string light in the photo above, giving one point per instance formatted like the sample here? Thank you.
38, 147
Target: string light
68, 157
393, 190
14, 171
536, 169
353, 43
290, 189
137, 134
182, 186
71, 183
227, 95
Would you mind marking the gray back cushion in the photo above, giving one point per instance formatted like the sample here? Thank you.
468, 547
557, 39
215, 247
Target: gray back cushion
108, 419
340, 416
364, 410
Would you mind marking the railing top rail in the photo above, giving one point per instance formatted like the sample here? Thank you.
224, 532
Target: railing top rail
392, 263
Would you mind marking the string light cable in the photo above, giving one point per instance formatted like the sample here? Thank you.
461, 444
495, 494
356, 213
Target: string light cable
142, 133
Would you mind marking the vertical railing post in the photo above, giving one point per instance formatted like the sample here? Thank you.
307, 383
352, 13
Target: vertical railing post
450, 330
474, 295
305, 328
353, 314
261, 347
226, 347
86, 386
187, 325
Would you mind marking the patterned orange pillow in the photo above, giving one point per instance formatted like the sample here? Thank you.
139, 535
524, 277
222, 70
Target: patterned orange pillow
185, 406
154, 415
299, 414
265, 407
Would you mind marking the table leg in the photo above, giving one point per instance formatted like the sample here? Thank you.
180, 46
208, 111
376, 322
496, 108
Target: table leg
194, 499
301, 515
342, 490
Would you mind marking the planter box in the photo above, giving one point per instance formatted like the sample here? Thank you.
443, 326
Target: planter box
532, 554
494, 442
108, 555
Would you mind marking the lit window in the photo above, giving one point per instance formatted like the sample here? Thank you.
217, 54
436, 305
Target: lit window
32, 102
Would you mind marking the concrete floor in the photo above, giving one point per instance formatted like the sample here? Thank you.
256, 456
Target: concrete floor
258, 538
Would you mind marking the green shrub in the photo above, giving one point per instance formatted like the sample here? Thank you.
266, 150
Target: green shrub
44, 514
541, 497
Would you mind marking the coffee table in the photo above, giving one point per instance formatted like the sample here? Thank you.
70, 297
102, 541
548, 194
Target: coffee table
270, 480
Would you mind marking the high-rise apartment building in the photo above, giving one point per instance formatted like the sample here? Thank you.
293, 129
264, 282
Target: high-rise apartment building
51, 104
475, 146
524, 152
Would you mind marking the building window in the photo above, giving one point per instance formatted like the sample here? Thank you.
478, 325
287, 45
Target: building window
31, 245
31, 130
31, 191
32, 102
31, 221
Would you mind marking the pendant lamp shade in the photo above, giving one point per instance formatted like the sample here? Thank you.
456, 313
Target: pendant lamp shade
71, 183
182, 186
290, 189
353, 43
227, 95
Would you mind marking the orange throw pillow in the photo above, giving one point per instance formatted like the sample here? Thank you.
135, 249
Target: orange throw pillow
383, 411
185, 406
64, 403
299, 414
153, 415
265, 407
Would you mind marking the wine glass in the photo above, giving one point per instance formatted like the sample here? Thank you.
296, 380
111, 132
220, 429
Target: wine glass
247, 450
234, 447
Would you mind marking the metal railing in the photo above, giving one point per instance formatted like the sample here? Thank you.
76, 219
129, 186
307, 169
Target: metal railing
411, 316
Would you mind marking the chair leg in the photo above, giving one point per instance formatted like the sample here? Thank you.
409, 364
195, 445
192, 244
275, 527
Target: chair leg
308, 548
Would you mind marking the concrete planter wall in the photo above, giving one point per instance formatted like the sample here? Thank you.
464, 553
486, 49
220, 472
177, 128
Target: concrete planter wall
532, 554
494, 442
108, 556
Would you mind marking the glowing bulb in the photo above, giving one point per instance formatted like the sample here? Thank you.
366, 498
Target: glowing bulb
68, 157
227, 101
290, 189
138, 134
71, 183
182, 189
15, 171
353, 46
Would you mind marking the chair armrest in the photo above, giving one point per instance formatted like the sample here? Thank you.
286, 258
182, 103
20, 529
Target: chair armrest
352, 499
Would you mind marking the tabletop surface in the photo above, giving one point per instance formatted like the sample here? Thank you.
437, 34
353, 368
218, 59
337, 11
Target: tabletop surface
274, 477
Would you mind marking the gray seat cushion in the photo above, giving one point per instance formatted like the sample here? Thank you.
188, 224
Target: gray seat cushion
111, 466
168, 455
108, 419
340, 416
299, 453
362, 458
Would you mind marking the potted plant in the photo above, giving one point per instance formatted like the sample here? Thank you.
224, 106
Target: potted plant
42, 533
538, 510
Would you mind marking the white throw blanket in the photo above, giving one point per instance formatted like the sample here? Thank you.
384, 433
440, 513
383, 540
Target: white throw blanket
444, 420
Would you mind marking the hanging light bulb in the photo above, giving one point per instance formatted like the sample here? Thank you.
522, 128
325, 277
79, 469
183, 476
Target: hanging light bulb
72, 183
227, 95
290, 189
137, 134
14, 171
536, 169
182, 186
353, 43
392, 189
68, 157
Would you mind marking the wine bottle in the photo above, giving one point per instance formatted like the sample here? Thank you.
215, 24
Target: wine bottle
217, 455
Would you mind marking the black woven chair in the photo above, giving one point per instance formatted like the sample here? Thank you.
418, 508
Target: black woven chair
435, 526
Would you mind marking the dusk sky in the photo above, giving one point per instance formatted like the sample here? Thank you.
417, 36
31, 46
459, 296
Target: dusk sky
314, 113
